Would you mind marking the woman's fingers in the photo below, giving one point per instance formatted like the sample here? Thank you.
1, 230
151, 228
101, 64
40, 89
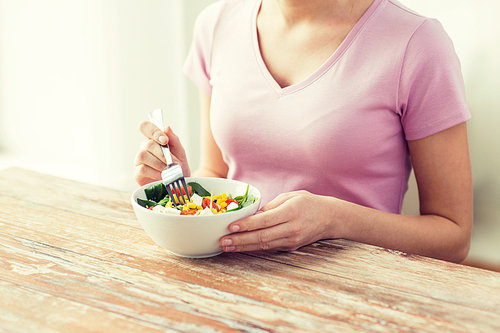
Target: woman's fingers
290, 221
262, 231
167, 136
150, 154
144, 174
278, 238
150, 161
259, 221
279, 200
150, 131
269, 215
175, 144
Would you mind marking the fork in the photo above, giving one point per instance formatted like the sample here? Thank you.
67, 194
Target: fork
172, 175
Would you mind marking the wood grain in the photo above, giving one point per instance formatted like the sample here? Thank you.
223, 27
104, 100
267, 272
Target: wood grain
73, 257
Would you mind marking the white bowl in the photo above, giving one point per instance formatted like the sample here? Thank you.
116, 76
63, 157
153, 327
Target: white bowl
194, 236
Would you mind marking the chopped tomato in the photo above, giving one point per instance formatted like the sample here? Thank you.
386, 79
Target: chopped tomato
190, 190
228, 201
206, 202
189, 212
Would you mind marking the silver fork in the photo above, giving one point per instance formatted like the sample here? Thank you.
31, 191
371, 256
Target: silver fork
172, 175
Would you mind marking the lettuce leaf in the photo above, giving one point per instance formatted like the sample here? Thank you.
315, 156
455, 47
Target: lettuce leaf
156, 193
244, 200
198, 189
146, 203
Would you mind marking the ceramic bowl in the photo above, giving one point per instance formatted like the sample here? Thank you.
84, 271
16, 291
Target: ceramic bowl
194, 236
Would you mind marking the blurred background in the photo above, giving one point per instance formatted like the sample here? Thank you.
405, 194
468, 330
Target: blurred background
76, 78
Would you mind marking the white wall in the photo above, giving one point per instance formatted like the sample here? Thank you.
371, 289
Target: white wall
76, 77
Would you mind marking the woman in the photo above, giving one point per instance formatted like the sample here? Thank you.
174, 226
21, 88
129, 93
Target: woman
325, 106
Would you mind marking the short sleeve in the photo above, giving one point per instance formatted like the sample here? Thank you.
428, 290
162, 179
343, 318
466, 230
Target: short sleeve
431, 92
198, 61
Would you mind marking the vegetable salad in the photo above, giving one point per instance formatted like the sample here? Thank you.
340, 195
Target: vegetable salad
202, 202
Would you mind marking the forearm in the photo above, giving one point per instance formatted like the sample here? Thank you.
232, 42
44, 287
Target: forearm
428, 235
212, 163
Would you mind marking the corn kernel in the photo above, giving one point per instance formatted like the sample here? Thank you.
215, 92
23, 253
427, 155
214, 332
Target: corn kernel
191, 205
223, 204
199, 207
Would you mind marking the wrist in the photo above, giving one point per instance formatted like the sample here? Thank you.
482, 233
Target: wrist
339, 214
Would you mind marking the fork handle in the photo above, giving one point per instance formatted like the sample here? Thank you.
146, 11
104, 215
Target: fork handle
166, 153
156, 118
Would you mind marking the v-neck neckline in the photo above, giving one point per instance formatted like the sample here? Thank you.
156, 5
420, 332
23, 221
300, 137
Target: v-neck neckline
320, 71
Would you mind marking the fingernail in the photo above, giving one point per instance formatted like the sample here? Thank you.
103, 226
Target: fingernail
162, 139
234, 228
229, 248
227, 242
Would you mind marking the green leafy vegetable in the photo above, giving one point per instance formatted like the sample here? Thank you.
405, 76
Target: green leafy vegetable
156, 193
198, 189
146, 203
244, 200
248, 201
164, 201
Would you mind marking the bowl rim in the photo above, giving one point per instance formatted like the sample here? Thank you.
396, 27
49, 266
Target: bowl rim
136, 192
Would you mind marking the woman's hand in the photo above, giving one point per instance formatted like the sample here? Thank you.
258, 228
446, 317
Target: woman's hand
149, 160
287, 223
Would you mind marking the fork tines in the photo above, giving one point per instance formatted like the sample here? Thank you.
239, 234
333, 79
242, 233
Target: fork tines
174, 191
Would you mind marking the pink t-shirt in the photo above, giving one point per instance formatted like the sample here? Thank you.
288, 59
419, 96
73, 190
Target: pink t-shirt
342, 131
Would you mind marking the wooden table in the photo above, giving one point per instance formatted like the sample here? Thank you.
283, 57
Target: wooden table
74, 258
